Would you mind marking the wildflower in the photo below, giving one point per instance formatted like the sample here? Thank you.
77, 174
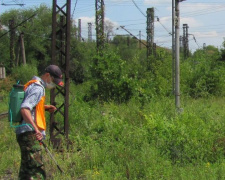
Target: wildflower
207, 164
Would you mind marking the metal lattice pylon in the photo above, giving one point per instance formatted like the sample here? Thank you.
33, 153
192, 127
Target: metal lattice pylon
99, 21
185, 41
79, 30
90, 32
150, 31
60, 56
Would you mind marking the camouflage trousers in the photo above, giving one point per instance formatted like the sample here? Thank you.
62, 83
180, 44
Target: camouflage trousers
31, 158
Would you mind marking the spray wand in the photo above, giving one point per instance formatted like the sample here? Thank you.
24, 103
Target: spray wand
51, 156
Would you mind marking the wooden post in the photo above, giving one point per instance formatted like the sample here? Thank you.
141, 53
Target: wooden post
22, 48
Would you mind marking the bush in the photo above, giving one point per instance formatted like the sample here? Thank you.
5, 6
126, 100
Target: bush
6, 84
24, 73
111, 82
202, 75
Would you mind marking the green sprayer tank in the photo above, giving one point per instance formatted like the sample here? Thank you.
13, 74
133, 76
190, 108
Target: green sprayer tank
16, 98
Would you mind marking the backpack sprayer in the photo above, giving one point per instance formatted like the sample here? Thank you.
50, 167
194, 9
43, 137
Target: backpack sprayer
15, 100
16, 97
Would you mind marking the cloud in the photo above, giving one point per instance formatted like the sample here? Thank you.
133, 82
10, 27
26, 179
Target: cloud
192, 22
86, 20
210, 38
206, 34
203, 7
196, 8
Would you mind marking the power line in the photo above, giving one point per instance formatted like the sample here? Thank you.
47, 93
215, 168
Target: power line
74, 7
138, 8
195, 40
164, 26
18, 25
16, 3
204, 11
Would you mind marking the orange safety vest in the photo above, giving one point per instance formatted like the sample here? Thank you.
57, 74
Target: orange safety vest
40, 109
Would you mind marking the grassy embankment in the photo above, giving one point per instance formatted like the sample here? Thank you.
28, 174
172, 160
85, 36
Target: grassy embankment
131, 141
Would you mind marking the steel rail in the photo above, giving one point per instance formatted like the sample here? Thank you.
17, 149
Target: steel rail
3, 115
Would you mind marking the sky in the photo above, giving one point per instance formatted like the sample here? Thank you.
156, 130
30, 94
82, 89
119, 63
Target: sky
205, 18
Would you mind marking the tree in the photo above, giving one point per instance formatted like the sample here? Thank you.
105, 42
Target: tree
126, 46
37, 34
223, 51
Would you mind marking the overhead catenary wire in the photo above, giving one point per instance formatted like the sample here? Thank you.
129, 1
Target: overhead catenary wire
163, 26
18, 25
74, 7
138, 8
14, 3
199, 13
194, 39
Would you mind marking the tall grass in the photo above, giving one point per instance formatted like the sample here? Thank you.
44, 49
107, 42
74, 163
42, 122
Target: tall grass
133, 141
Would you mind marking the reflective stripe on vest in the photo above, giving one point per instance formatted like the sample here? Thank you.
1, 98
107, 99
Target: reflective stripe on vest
39, 109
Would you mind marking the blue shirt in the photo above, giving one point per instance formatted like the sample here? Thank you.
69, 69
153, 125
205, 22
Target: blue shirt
32, 96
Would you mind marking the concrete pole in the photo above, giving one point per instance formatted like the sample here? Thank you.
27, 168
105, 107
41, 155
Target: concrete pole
139, 39
12, 37
173, 49
18, 52
23, 48
79, 30
177, 55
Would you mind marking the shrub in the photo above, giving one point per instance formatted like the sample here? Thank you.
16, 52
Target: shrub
24, 73
6, 84
110, 80
202, 76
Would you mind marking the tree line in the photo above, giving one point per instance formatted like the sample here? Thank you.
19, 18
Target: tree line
122, 72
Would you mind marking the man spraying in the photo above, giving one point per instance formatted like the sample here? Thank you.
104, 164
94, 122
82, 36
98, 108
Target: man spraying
33, 125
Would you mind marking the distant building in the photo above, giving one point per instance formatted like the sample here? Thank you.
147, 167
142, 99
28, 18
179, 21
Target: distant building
2, 72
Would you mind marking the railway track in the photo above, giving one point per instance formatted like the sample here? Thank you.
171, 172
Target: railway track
3, 115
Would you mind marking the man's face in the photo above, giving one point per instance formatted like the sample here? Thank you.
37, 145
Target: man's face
50, 81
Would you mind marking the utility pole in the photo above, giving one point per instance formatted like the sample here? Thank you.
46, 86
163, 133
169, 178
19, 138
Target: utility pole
22, 48
79, 30
60, 56
181, 43
173, 47
185, 41
204, 45
12, 38
139, 39
128, 41
90, 32
150, 31
75, 31
177, 55
154, 49
99, 20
